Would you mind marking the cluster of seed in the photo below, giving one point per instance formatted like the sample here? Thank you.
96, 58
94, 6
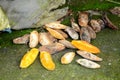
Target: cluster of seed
55, 40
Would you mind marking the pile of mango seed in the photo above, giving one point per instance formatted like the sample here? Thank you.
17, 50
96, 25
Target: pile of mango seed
57, 38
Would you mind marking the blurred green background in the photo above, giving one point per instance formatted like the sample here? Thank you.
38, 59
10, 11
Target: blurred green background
107, 40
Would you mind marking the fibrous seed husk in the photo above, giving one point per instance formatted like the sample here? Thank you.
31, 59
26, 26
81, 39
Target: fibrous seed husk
74, 25
67, 57
66, 43
22, 40
91, 32
85, 35
52, 48
95, 25
101, 22
87, 63
83, 19
116, 11
89, 55
72, 33
46, 38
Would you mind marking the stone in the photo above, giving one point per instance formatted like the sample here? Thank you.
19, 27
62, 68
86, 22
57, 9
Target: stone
33, 13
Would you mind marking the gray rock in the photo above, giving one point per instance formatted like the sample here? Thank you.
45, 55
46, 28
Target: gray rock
32, 13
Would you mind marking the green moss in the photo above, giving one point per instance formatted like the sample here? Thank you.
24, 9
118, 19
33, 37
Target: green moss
88, 4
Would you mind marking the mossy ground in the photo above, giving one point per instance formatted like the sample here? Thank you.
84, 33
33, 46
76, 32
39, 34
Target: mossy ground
107, 40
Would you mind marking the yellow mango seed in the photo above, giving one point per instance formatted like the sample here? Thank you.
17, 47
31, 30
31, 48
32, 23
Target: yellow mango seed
83, 45
55, 33
46, 60
29, 58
